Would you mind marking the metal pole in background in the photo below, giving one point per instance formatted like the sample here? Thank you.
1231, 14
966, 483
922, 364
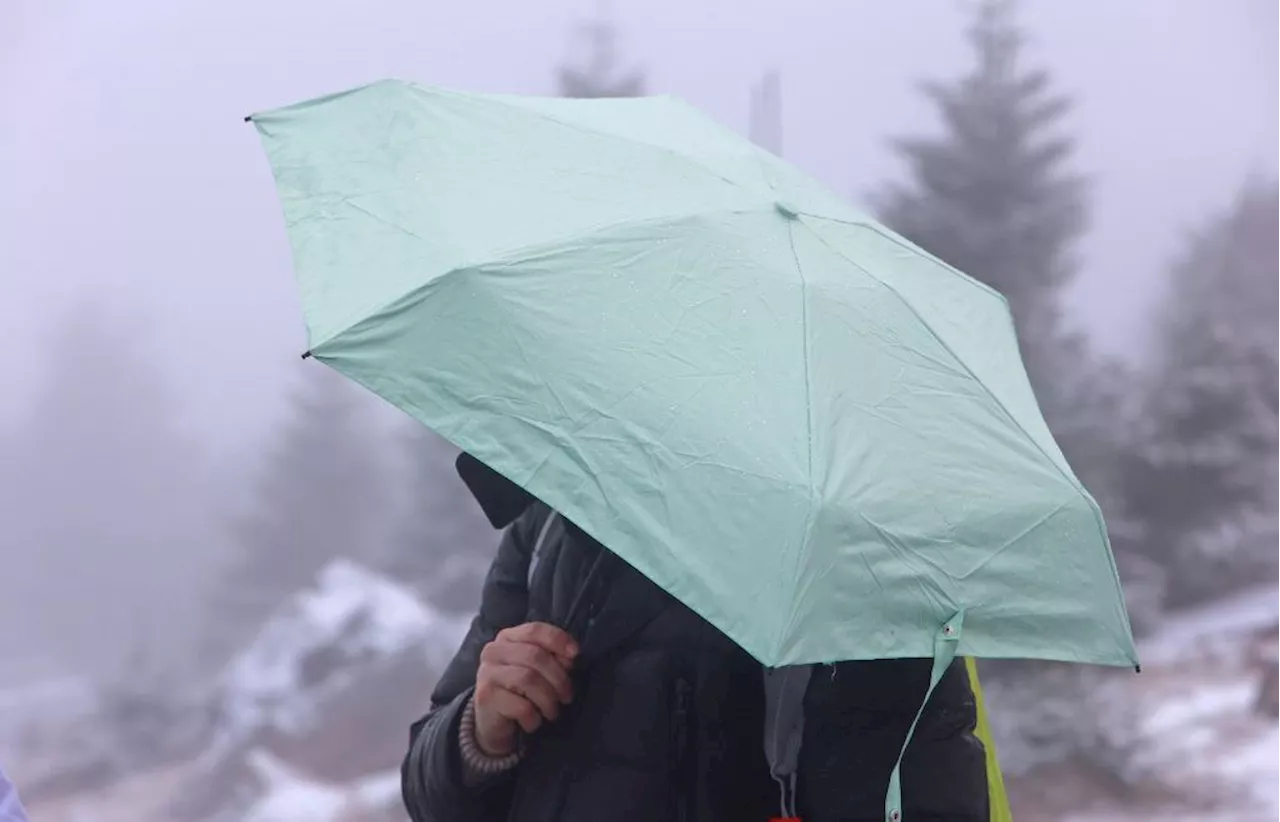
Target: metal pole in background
766, 112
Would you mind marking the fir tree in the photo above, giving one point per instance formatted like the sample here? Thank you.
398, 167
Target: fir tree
321, 494
600, 76
105, 505
445, 544
1205, 477
993, 196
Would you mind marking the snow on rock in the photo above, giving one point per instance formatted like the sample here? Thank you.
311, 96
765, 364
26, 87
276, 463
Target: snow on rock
1201, 630
1195, 717
1204, 740
326, 691
289, 796
1198, 715
352, 616
1190, 737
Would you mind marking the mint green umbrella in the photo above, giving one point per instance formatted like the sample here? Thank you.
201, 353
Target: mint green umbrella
812, 432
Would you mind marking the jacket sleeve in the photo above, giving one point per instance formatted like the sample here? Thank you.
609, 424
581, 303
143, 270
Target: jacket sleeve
431, 774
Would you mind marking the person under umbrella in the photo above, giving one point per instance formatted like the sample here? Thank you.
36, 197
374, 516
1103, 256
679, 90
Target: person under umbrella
585, 692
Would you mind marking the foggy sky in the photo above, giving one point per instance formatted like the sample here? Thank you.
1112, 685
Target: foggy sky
127, 176
126, 171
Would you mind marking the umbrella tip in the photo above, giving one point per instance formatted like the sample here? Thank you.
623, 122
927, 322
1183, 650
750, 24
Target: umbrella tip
248, 118
306, 355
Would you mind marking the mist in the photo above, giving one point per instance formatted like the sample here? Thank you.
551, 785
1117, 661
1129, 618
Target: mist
152, 326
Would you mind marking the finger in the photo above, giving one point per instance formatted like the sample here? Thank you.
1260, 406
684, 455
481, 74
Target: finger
528, 683
553, 639
526, 655
512, 706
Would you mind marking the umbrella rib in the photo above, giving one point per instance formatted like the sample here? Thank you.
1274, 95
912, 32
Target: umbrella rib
801, 556
914, 249
1071, 481
663, 149
613, 136
506, 257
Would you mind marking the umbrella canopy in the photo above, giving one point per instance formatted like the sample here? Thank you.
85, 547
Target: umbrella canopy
810, 431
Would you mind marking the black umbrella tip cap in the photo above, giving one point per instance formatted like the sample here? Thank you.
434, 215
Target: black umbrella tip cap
248, 118
306, 355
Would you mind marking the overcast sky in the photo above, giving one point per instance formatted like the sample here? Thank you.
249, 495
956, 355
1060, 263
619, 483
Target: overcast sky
126, 172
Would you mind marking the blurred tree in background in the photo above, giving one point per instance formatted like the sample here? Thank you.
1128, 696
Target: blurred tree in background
994, 195
443, 544
321, 493
104, 495
600, 74
1204, 475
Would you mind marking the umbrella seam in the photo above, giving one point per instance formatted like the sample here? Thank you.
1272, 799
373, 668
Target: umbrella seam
498, 101
1074, 483
899, 241
508, 257
1071, 481
802, 555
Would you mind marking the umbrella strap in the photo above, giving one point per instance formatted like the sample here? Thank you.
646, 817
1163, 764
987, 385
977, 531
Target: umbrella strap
945, 643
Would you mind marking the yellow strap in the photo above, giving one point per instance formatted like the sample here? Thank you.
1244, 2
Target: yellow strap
999, 800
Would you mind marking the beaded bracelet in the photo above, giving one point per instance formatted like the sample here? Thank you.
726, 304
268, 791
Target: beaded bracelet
473, 758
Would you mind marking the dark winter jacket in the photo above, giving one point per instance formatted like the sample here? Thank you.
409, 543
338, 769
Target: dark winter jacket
667, 719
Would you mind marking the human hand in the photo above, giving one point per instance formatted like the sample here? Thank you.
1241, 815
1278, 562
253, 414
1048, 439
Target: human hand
522, 681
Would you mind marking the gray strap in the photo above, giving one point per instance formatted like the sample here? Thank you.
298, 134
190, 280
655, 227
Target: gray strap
536, 556
784, 690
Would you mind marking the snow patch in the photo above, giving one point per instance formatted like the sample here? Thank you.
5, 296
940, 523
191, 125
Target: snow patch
1254, 610
1188, 713
313, 643
289, 796
1257, 767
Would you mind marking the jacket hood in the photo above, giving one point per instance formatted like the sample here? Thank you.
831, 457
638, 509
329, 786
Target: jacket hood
501, 499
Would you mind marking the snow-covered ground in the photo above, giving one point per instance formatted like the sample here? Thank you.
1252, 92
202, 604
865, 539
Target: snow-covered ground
1208, 742
1188, 725
292, 797
290, 693
352, 616
332, 680
1188, 731
1202, 630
